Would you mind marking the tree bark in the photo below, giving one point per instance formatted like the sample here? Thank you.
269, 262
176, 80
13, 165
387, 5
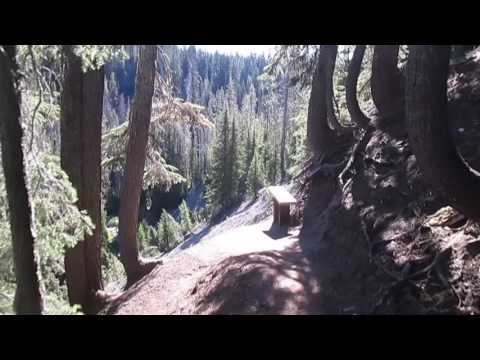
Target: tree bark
81, 126
93, 91
320, 137
427, 123
138, 129
387, 89
357, 115
28, 297
283, 147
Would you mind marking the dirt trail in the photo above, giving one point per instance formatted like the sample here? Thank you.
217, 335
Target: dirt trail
168, 289
241, 240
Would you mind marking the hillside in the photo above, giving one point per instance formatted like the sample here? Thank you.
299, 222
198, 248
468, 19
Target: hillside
374, 239
384, 238
134, 179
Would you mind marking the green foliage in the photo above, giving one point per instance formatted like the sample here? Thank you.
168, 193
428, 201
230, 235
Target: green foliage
95, 56
6, 298
297, 60
169, 232
256, 175
364, 91
298, 146
167, 113
339, 83
58, 221
112, 269
113, 222
186, 219
142, 234
56, 304
147, 239
219, 182
57, 225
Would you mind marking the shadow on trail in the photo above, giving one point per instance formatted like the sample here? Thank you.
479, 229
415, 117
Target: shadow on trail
271, 282
277, 232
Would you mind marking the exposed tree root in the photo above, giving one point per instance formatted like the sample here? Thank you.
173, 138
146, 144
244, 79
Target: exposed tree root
145, 267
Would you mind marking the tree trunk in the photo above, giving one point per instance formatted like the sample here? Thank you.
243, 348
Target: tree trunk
138, 129
330, 93
320, 137
283, 147
93, 90
81, 126
427, 123
28, 297
387, 89
357, 115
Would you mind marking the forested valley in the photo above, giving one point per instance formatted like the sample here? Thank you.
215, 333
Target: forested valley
139, 179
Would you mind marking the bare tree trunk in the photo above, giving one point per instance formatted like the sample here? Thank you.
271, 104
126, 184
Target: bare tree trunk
427, 122
138, 129
81, 122
283, 147
357, 115
28, 297
387, 87
320, 137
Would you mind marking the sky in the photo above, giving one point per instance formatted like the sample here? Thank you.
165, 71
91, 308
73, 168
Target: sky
240, 49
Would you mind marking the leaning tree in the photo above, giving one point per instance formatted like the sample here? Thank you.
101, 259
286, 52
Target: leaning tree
427, 122
138, 130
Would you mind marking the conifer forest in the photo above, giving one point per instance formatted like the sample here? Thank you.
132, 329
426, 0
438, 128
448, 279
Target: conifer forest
291, 179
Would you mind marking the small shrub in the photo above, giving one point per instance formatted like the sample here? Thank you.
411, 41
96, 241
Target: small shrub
169, 232
186, 219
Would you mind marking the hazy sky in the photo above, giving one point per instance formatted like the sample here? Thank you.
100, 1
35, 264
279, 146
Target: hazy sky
240, 49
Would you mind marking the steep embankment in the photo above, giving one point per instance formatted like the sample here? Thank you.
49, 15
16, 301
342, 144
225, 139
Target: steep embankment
383, 240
